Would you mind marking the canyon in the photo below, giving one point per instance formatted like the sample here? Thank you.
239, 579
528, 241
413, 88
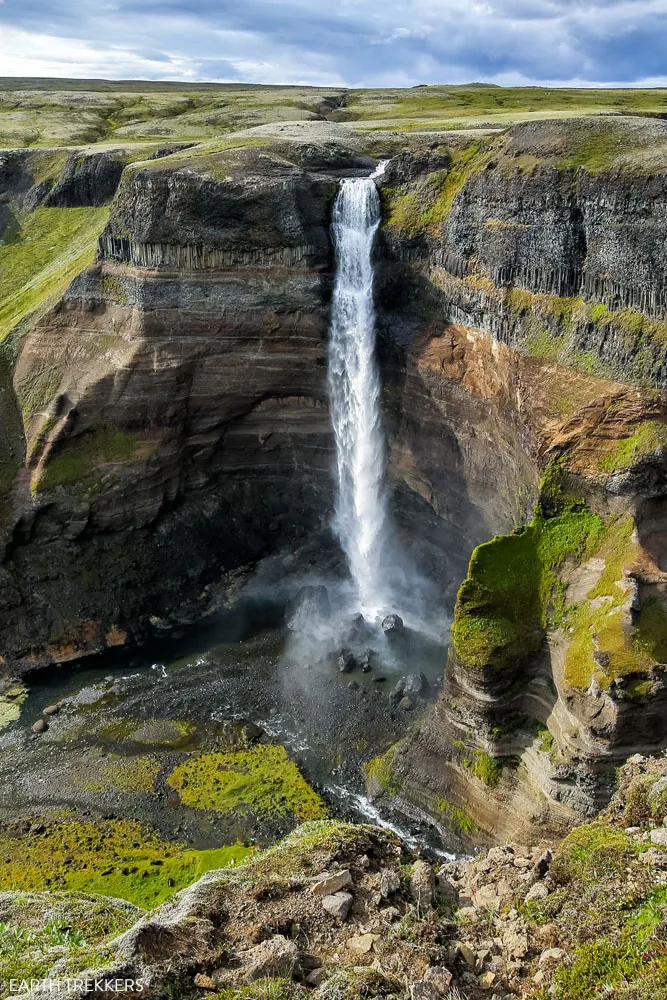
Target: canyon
166, 438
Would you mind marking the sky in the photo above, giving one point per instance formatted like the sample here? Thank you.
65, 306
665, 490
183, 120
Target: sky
349, 43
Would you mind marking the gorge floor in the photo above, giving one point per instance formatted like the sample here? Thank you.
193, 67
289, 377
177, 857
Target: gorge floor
126, 733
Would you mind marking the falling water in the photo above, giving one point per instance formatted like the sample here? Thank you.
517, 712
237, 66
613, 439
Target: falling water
354, 388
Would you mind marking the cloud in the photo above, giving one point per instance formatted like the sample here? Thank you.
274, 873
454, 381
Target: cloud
348, 43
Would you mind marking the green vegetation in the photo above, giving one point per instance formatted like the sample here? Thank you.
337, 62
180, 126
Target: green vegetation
67, 112
379, 770
454, 816
651, 630
258, 779
488, 769
512, 591
39, 929
106, 772
51, 247
600, 622
425, 209
12, 697
648, 438
614, 918
546, 744
264, 989
159, 733
361, 983
80, 457
119, 858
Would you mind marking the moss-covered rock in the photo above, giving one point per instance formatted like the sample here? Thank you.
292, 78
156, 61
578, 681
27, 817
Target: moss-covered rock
259, 779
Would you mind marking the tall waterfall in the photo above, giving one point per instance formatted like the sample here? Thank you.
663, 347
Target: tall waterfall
354, 389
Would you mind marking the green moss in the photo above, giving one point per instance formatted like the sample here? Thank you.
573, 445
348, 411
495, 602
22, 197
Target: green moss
546, 740
80, 457
175, 734
11, 699
37, 390
52, 246
379, 770
488, 769
455, 817
593, 851
361, 983
425, 209
111, 772
512, 591
594, 148
651, 630
119, 858
648, 438
603, 625
259, 779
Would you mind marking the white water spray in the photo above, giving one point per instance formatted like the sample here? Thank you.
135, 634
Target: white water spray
354, 388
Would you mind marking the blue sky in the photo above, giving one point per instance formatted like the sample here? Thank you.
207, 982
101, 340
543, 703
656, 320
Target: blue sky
347, 43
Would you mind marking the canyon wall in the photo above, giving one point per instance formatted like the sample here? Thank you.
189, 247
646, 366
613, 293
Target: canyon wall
523, 297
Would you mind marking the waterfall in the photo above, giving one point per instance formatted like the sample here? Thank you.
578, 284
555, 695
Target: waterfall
354, 389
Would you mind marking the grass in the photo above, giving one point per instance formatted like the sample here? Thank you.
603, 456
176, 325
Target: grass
51, 247
264, 989
259, 779
81, 457
39, 929
119, 858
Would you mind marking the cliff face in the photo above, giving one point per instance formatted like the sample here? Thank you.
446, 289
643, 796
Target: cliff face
511, 278
173, 402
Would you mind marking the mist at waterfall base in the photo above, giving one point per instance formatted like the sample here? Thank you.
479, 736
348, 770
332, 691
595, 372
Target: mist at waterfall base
345, 616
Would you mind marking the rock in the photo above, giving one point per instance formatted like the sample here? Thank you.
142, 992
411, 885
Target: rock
362, 943
316, 977
446, 891
440, 977
406, 704
538, 891
52, 709
204, 982
40, 726
487, 895
337, 905
37, 828
498, 855
392, 625
486, 981
307, 608
423, 990
390, 882
331, 884
659, 837
278, 957
552, 957
416, 684
539, 977
466, 953
391, 913
399, 689
541, 866
654, 857
516, 943
346, 662
353, 686
522, 863
422, 884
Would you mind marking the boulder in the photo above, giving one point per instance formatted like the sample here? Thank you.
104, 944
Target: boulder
347, 662
393, 625
40, 726
390, 882
278, 957
658, 836
423, 990
440, 977
362, 944
337, 905
416, 684
422, 884
551, 958
331, 884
